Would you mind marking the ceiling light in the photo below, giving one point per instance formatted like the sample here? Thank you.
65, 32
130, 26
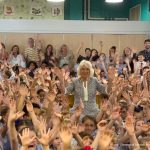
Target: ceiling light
113, 1
55, 1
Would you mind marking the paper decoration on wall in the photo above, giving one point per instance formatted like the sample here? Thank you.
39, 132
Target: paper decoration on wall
56, 11
22, 9
8, 10
36, 10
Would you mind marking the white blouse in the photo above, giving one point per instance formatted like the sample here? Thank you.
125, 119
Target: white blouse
85, 89
17, 61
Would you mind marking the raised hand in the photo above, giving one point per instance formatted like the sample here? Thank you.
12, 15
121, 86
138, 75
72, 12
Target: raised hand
29, 106
23, 90
126, 95
105, 139
56, 119
129, 124
65, 132
134, 49
13, 116
81, 45
66, 76
74, 128
45, 137
79, 109
145, 93
51, 96
57, 72
135, 99
42, 124
65, 103
25, 138
115, 114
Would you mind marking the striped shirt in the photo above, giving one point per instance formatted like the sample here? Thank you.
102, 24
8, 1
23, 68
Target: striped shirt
31, 54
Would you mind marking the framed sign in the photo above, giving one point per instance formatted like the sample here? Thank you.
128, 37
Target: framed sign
8, 10
36, 11
57, 11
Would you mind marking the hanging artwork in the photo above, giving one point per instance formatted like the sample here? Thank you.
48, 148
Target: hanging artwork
31, 9
36, 10
8, 10
57, 11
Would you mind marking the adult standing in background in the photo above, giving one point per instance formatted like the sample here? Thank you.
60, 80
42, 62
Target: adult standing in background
65, 56
15, 58
49, 55
129, 58
33, 52
146, 51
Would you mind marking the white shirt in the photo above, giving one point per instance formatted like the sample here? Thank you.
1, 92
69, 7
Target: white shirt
17, 61
139, 65
85, 89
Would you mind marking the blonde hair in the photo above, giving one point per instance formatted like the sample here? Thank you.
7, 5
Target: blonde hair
64, 45
87, 64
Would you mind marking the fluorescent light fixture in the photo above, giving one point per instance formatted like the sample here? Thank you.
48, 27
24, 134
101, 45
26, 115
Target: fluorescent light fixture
55, 1
113, 1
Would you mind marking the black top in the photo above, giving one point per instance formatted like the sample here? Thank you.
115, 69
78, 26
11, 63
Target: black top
146, 54
80, 58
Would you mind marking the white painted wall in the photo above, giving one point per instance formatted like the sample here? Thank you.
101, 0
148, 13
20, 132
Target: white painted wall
99, 27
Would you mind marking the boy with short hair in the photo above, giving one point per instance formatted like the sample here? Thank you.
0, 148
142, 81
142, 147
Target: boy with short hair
140, 64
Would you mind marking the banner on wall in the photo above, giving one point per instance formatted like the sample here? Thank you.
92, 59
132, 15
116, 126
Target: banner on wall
8, 10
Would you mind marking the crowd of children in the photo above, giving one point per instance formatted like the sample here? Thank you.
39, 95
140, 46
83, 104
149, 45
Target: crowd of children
35, 103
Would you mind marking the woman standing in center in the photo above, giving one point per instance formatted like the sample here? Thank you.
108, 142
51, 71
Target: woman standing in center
85, 88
